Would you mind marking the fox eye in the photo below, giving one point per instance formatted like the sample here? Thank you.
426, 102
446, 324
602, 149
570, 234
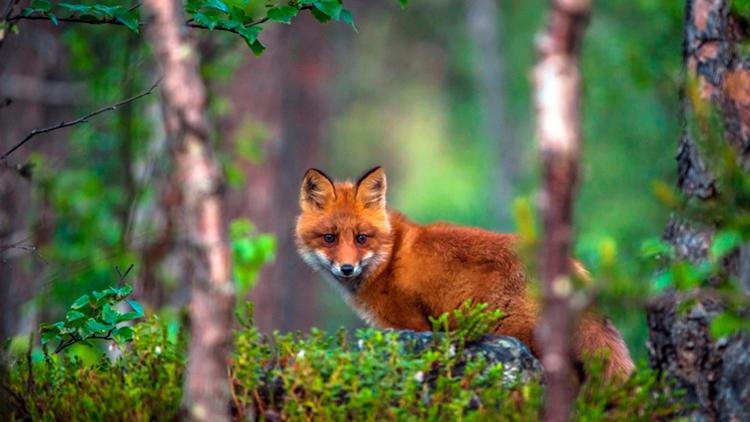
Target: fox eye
361, 238
329, 238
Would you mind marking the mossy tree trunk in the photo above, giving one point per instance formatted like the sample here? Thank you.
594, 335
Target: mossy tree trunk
680, 344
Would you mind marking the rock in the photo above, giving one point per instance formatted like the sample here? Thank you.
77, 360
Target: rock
519, 365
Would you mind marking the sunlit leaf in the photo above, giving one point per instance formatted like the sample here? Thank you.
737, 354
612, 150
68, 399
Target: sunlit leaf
282, 14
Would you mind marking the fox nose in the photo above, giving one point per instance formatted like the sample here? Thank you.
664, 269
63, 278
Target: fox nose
347, 269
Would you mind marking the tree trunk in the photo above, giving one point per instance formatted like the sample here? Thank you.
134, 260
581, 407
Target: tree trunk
489, 73
712, 372
286, 295
558, 90
198, 176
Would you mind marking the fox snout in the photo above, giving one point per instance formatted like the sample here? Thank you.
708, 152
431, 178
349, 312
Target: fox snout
346, 270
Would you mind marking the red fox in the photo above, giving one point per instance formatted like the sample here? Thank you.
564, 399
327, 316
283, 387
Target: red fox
396, 273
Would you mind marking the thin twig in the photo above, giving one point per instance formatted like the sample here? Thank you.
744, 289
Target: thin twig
125, 274
79, 120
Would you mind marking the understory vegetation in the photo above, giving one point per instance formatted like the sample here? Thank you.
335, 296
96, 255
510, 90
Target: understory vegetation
365, 375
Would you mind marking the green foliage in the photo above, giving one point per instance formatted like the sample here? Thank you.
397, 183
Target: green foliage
143, 384
377, 376
243, 17
373, 375
468, 323
94, 316
250, 251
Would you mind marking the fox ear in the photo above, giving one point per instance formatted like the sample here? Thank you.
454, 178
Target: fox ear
371, 188
316, 191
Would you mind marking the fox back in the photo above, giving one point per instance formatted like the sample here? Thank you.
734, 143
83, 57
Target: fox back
397, 274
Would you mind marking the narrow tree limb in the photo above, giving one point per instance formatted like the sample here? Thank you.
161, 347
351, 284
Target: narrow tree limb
558, 90
82, 119
189, 23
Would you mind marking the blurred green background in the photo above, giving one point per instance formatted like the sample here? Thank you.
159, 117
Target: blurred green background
439, 93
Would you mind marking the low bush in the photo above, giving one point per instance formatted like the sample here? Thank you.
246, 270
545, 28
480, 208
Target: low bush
371, 375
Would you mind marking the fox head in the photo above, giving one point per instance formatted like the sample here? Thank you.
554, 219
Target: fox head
343, 229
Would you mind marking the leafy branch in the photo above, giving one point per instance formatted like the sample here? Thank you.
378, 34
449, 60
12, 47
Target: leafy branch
94, 316
82, 119
203, 14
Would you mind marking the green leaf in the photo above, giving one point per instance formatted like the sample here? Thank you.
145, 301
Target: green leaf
283, 14
403, 3
98, 326
129, 20
136, 307
724, 242
207, 19
80, 302
53, 18
41, 5
216, 4
257, 47
320, 16
50, 328
332, 8
346, 16
655, 247
250, 34
124, 291
108, 11
725, 324
103, 296
72, 316
76, 8
49, 336
109, 315
128, 316
123, 335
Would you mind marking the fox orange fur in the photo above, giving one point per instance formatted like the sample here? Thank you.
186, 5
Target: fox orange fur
396, 273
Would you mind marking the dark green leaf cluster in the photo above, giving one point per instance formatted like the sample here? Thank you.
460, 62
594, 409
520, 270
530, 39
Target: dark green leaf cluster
238, 16
94, 316
84, 12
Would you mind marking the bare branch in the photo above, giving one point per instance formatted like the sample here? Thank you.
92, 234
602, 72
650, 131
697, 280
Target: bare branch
83, 119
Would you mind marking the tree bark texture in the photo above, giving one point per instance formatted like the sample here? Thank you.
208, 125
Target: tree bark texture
558, 89
712, 372
198, 177
482, 19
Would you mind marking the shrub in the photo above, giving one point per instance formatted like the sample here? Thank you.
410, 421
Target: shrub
372, 375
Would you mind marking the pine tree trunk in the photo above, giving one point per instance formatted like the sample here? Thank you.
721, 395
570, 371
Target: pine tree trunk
557, 80
713, 373
198, 177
